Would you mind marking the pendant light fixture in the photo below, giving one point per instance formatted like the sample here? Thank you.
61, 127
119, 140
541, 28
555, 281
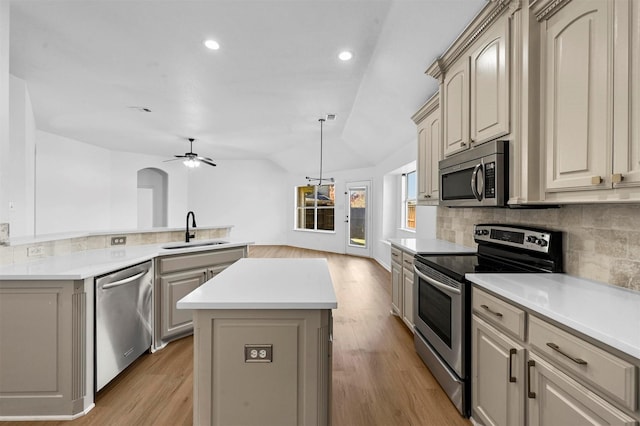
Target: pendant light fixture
318, 181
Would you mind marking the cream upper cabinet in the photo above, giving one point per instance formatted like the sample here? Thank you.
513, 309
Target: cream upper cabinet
591, 100
429, 143
576, 84
490, 84
626, 107
456, 107
476, 91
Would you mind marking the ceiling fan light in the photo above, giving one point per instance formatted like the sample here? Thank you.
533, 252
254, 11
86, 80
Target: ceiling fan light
192, 163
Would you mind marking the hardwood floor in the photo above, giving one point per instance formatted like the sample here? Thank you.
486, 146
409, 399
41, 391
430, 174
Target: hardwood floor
378, 379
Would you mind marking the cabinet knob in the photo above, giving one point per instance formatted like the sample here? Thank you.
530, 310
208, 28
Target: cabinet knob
617, 177
427, 196
596, 180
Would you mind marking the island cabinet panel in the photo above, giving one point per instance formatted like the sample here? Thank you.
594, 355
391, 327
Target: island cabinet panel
290, 386
178, 275
42, 349
397, 302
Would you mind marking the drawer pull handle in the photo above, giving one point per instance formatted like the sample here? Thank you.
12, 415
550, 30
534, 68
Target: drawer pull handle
394, 254
488, 309
512, 352
531, 395
557, 349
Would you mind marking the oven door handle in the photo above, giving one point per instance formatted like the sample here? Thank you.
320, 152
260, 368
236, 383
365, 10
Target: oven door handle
436, 284
474, 182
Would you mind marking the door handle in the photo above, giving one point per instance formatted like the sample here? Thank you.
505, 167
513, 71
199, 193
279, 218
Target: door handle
474, 182
124, 281
531, 395
512, 352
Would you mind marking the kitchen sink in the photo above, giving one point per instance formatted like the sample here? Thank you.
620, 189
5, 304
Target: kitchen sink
191, 245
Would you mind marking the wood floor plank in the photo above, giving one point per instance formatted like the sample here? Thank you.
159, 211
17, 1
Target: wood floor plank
378, 379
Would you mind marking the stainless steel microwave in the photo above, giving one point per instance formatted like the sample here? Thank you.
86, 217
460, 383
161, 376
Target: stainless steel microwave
477, 177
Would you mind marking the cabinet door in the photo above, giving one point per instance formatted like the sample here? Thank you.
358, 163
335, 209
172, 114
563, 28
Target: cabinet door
626, 108
490, 84
456, 107
556, 399
407, 302
396, 288
577, 90
429, 142
498, 376
173, 288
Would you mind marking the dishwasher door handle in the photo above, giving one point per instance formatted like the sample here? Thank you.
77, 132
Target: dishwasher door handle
124, 281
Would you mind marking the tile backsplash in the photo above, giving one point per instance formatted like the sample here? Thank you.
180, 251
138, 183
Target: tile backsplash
601, 242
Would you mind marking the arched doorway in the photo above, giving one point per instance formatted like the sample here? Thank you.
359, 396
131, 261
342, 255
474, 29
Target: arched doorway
152, 198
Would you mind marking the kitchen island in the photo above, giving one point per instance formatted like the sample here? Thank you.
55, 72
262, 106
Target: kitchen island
262, 349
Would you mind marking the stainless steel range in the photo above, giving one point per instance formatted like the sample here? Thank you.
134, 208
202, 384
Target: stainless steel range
442, 297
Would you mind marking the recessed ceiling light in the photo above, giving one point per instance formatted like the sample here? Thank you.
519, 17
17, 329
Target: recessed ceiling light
212, 44
345, 55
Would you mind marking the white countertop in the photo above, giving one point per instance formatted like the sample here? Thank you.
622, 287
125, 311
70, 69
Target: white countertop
430, 246
603, 312
266, 284
91, 263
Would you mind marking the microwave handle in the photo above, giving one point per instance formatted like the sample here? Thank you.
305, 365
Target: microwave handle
474, 182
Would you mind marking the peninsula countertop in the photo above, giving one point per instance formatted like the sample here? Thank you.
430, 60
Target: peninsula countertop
91, 263
252, 283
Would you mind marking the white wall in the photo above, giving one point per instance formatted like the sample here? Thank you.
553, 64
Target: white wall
73, 185
19, 188
4, 109
249, 194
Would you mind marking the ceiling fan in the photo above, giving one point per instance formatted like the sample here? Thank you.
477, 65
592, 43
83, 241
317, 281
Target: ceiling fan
192, 159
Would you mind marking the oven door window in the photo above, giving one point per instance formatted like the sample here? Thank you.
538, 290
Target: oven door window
457, 185
434, 308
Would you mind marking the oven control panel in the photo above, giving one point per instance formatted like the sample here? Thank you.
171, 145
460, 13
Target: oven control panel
530, 239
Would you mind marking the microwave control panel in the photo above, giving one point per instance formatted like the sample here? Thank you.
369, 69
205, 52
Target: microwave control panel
490, 180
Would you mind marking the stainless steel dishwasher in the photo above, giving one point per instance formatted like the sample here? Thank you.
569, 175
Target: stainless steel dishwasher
123, 320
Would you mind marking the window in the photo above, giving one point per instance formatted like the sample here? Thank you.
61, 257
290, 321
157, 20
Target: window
315, 207
409, 200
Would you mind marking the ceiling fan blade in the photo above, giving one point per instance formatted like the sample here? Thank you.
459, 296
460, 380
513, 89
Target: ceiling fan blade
181, 156
171, 159
205, 158
207, 161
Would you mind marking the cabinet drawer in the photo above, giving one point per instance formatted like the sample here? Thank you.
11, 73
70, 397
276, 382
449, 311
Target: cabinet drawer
396, 255
614, 376
198, 260
500, 313
407, 261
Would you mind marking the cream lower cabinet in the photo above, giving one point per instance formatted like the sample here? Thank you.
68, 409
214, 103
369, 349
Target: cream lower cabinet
498, 376
556, 399
177, 276
549, 378
590, 68
402, 285
429, 148
396, 281
407, 290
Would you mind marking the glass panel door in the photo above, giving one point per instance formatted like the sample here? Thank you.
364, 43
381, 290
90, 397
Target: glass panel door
357, 218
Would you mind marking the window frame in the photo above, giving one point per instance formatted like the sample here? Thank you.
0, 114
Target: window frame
298, 208
408, 202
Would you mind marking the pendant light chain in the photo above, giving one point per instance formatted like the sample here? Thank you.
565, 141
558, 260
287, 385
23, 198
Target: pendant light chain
321, 120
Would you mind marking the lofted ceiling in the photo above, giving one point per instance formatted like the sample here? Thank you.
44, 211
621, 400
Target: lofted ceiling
92, 65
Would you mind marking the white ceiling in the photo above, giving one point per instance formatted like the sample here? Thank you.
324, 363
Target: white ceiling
87, 62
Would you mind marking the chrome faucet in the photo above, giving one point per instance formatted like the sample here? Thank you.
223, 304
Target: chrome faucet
193, 223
